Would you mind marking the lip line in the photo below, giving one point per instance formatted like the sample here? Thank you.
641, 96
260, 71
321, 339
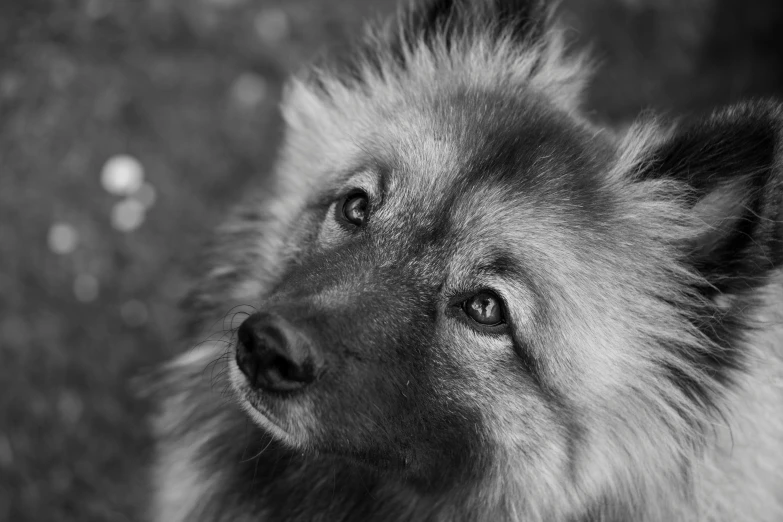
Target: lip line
265, 421
260, 408
256, 410
268, 423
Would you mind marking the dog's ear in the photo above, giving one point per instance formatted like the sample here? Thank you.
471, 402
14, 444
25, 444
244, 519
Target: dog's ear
731, 163
525, 21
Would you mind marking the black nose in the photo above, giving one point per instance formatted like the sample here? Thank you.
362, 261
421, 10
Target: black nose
274, 356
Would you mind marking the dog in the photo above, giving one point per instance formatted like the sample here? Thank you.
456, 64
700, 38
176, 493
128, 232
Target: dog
461, 299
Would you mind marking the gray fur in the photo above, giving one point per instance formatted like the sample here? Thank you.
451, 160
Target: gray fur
639, 380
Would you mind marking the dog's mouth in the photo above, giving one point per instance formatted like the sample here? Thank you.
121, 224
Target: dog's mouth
253, 404
367, 458
264, 418
262, 414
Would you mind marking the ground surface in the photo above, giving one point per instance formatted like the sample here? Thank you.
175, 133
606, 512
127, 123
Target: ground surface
188, 88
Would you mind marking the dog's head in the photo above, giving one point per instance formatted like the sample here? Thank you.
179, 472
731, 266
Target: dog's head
457, 278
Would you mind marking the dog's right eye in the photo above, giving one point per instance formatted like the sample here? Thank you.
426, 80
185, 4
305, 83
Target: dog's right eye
485, 308
353, 209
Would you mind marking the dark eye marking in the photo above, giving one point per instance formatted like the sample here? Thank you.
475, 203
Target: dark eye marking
485, 308
353, 208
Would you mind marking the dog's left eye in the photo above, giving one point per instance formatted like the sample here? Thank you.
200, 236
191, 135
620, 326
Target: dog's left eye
485, 308
354, 208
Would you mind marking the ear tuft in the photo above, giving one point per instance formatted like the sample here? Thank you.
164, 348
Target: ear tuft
730, 163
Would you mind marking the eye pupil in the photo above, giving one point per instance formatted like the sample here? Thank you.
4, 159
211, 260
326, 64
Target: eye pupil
484, 308
355, 208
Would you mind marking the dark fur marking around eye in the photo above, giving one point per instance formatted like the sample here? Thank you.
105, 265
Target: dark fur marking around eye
529, 364
502, 265
522, 140
507, 266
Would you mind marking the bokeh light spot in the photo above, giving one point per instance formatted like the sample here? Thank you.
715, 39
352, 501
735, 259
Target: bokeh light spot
86, 288
271, 25
122, 175
249, 90
63, 238
127, 215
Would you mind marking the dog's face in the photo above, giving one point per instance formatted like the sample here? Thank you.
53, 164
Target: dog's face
471, 283
422, 283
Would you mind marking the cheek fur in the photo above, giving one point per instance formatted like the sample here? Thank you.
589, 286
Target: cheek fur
531, 433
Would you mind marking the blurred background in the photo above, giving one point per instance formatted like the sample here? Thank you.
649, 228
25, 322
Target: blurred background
128, 127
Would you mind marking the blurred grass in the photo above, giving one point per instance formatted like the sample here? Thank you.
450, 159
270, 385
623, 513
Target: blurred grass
189, 87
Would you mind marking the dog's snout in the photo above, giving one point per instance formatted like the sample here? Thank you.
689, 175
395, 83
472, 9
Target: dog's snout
275, 356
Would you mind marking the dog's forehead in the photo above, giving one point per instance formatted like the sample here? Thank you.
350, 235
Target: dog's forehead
480, 152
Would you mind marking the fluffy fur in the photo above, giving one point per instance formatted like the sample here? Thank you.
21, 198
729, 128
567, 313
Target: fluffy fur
640, 375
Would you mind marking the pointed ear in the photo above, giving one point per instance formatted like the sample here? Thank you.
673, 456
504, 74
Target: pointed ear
731, 162
524, 20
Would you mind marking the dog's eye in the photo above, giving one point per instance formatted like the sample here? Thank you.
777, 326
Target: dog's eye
354, 208
485, 308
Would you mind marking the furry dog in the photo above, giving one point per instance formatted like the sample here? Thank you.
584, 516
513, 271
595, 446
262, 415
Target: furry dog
462, 300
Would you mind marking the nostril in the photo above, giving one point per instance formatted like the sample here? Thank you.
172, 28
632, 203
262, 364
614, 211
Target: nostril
282, 374
246, 340
274, 356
